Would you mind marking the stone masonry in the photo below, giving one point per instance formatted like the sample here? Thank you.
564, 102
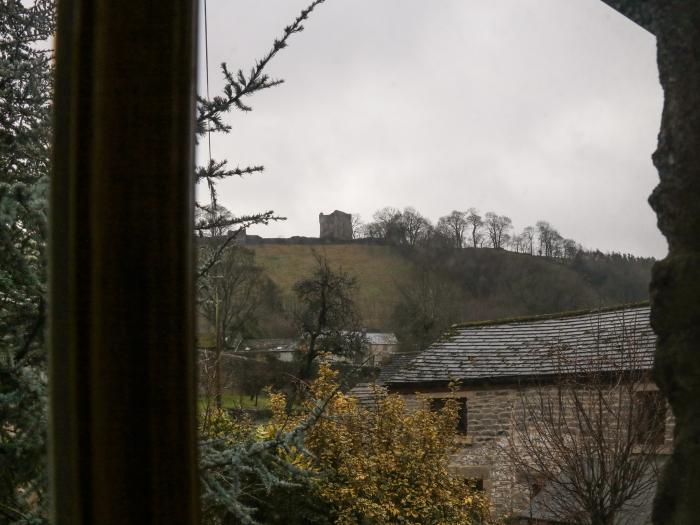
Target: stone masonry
500, 363
336, 225
480, 454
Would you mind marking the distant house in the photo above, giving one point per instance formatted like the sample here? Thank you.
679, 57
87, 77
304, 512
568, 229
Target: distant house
494, 363
281, 349
380, 347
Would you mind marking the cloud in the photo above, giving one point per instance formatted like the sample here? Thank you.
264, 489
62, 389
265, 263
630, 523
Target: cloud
539, 109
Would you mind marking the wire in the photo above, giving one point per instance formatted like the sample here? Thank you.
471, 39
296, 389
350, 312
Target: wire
212, 192
206, 64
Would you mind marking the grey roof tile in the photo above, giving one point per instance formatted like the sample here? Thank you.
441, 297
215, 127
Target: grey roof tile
537, 346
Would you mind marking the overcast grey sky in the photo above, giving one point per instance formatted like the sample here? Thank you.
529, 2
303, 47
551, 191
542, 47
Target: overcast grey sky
537, 109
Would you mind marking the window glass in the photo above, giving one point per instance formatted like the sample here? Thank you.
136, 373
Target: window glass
651, 417
462, 421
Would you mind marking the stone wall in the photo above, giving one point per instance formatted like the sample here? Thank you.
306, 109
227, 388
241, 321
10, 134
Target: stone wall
675, 287
251, 240
382, 354
337, 225
481, 453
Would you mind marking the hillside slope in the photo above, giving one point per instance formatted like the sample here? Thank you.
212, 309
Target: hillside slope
380, 271
468, 284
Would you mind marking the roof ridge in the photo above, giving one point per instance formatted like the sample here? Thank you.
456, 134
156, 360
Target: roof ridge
545, 317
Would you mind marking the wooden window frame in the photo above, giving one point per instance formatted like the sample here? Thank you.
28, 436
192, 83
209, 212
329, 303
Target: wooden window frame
123, 443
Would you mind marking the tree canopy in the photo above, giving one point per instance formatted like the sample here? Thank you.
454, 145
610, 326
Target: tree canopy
25, 134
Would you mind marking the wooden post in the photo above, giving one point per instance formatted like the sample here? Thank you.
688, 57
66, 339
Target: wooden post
122, 364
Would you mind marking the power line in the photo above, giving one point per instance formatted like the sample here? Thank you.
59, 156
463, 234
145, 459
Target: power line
206, 64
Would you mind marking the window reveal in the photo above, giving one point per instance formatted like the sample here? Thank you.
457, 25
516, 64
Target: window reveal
650, 417
462, 412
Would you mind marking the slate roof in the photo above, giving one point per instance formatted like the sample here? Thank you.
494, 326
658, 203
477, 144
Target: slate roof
396, 362
537, 346
366, 393
380, 338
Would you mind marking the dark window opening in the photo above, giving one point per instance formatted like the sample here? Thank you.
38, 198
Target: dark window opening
536, 487
534, 482
650, 417
475, 484
462, 419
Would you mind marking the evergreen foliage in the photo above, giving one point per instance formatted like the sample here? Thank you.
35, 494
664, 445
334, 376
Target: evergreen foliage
337, 462
450, 285
240, 469
230, 469
25, 133
25, 136
210, 119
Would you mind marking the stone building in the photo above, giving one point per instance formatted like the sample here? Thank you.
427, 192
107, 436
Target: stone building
381, 347
336, 225
498, 363
280, 349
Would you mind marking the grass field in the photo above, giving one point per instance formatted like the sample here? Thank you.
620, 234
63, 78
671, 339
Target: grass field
233, 400
379, 270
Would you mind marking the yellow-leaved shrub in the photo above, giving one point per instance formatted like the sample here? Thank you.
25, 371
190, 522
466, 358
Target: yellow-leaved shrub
383, 465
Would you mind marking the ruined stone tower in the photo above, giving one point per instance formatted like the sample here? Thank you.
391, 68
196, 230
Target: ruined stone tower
337, 225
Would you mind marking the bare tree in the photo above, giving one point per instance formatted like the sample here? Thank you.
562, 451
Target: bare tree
475, 224
497, 228
453, 227
358, 227
327, 315
371, 230
570, 248
528, 239
390, 224
549, 239
230, 294
590, 436
518, 243
415, 226
386, 225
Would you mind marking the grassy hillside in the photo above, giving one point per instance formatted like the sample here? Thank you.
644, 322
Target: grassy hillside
380, 271
468, 284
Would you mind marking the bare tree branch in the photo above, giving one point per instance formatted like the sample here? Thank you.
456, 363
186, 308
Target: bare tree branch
592, 433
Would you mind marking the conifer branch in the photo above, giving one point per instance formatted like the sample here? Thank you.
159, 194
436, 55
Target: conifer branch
239, 85
217, 170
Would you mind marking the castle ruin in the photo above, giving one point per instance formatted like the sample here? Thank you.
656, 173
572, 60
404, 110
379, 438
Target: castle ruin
337, 226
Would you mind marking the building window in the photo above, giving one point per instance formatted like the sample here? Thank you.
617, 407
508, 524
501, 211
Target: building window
462, 419
476, 484
650, 417
531, 481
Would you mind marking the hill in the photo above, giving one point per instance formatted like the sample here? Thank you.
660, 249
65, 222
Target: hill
436, 287
381, 271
